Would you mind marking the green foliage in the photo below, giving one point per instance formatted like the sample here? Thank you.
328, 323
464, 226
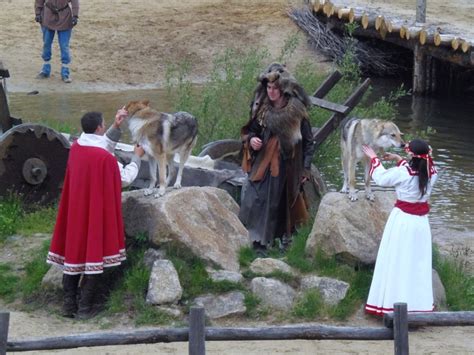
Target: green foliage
309, 306
246, 256
193, 275
296, 253
222, 103
39, 220
10, 213
323, 265
458, 283
382, 107
253, 308
289, 47
147, 314
17, 218
9, 283
348, 65
34, 273
70, 127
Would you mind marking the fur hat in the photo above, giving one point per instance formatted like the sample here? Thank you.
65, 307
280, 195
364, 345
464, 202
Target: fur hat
277, 73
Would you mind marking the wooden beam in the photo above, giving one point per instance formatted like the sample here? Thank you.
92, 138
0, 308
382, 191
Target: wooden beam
328, 84
4, 324
451, 319
181, 334
400, 329
331, 106
197, 332
421, 11
465, 46
335, 120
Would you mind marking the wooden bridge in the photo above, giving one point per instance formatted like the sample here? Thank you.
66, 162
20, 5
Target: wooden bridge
443, 55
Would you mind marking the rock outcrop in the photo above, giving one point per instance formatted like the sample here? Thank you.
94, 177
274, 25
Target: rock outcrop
202, 219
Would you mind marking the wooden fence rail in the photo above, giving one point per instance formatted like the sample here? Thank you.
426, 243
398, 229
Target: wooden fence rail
397, 329
464, 318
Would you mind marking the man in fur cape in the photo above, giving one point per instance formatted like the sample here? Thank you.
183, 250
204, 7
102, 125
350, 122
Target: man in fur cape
278, 147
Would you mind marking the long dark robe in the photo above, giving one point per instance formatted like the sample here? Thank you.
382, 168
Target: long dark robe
272, 204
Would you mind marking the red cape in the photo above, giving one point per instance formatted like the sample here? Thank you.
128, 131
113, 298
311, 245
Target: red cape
89, 233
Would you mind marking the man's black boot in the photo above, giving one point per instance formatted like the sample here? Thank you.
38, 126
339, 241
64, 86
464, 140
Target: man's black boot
70, 288
86, 302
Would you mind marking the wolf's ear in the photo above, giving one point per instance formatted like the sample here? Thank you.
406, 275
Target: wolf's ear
146, 102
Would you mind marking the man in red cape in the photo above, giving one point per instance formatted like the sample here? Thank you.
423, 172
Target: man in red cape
89, 233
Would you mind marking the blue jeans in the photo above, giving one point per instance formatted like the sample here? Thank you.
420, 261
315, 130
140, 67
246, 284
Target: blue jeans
63, 39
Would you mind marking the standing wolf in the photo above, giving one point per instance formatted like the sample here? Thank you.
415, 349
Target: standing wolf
379, 135
162, 135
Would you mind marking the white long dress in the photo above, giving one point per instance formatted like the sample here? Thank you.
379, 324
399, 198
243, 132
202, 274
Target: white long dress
403, 267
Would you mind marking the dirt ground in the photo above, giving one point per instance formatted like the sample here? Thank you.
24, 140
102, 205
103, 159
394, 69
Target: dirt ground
126, 44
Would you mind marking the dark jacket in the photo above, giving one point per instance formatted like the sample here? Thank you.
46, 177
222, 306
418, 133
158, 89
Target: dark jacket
57, 14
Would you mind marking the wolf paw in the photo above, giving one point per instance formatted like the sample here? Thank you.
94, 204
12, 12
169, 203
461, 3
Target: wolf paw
370, 196
353, 196
344, 190
177, 185
161, 192
148, 192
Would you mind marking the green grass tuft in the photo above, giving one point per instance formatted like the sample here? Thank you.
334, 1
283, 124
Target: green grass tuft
8, 283
309, 306
458, 283
35, 271
10, 214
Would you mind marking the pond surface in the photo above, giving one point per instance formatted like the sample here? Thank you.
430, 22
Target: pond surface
451, 121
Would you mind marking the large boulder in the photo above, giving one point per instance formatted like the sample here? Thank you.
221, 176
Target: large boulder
202, 219
350, 230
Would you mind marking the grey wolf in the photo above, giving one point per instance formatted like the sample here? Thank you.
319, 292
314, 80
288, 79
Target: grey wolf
379, 135
162, 135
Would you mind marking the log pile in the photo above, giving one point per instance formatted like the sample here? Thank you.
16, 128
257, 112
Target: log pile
335, 46
385, 25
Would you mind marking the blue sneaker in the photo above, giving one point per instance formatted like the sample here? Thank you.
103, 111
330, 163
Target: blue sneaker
45, 71
65, 75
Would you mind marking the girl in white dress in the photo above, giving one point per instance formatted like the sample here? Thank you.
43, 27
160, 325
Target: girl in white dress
403, 267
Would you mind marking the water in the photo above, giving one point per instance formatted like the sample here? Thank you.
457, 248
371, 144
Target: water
66, 109
452, 138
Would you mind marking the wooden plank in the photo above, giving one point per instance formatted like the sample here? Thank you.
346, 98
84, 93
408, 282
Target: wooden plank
4, 324
335, 120
331, 106
328, 84
212, 334
400, 329
197, 334
464, 318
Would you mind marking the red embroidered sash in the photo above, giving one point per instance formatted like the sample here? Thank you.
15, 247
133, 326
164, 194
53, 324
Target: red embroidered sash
416, 208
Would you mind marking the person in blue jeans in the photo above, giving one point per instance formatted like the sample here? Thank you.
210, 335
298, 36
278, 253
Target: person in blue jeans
56, 16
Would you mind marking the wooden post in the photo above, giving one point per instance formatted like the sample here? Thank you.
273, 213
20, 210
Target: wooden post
421, 11
400, 328
4, 323
419, 70
197, 333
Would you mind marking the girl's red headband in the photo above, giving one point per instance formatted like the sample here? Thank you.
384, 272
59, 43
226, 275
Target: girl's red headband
426, 156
